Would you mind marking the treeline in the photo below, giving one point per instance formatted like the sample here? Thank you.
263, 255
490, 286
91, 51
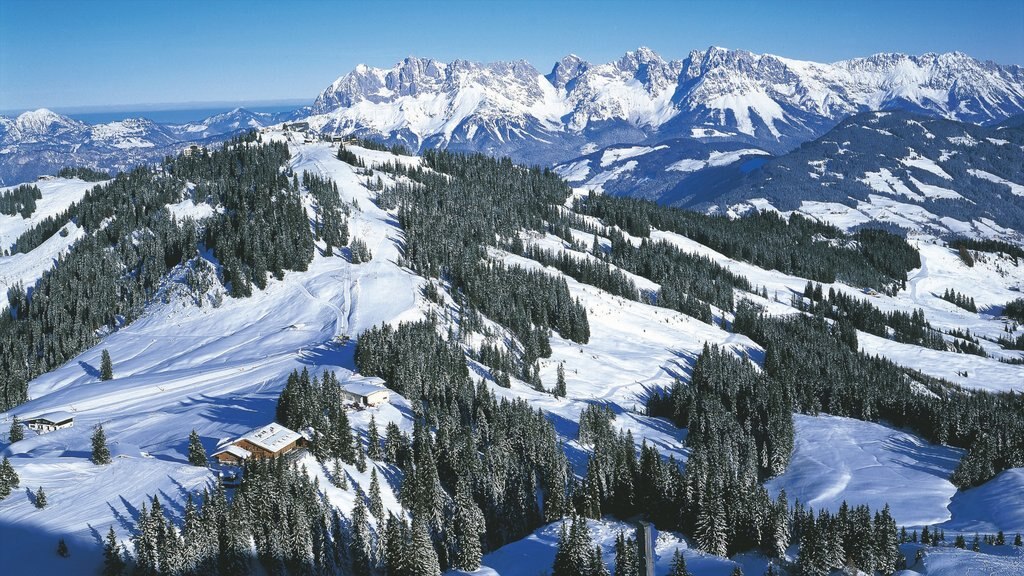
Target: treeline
988, 245
798, 246
959, 300
821, 365
83, 173
909, 328
20, 200
317, 404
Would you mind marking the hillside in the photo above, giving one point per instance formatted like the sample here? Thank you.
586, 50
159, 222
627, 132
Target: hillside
920, 174
536, 333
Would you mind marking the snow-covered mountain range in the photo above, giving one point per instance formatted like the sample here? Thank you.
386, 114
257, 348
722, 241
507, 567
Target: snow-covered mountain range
42, 141
771, 102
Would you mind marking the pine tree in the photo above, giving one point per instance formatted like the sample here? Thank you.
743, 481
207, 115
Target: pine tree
40, 498
376, 504
360, 459
17, 431
560, 390
9, 479
394, 546
1017, 540
113, 562
626, 561
360, 544
338, 475
100, 452
598, 567
976, 544
678, 565
422, 556
373, 448
196, 452
960, 542
62, 549
469, 527
106, 366
737, 571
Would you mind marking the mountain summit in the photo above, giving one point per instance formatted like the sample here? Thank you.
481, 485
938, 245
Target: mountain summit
769, 101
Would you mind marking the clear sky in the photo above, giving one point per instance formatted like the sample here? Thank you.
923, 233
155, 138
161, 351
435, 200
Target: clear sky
82, 53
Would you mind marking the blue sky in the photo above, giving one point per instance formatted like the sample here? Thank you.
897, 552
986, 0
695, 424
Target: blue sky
83, 53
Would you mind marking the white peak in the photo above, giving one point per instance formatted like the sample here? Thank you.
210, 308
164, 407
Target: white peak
41, 120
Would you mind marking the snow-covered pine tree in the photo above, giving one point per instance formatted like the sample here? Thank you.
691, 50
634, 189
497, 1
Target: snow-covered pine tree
113, 561
40, 498
17, 431
106, 366
678, 567
9, 479
422, 556
100, 452
626, 561
376, 504
360, 546
560, 388
469, 528
196, 452
373, 448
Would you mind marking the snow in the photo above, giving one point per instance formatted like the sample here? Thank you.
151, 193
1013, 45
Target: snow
915, 160
58, 194
27, 268
535, 554
932, 191
708, 133
574, 172
991, 560
271, 437
836, 459
886, 182
1014, 187
715, 158
613, 155
187, 208
743, 105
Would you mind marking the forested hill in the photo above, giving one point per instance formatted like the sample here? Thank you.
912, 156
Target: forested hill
554, 357
899, 169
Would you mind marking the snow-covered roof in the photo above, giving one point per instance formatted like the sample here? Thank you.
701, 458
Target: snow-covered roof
57, 417
236, 451
363, 386
272, 437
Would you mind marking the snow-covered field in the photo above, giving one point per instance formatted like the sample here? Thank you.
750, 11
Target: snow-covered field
219, 370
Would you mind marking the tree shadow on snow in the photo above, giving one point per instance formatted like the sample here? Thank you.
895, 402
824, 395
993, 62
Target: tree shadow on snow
89, 369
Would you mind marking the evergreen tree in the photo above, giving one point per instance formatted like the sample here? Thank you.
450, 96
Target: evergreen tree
100, 452
8, 478
976, 544
360, 544
960, 542
469, 528
559, 390
422, 556
17, 431
40, 498
373, 447
106, 366
196, 452
376, 504
113, 562
395, 534
1017, 540
678, 565
597, 567
62, 549
626, 561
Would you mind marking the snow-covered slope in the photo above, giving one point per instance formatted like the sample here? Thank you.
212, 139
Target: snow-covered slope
921, 174
219, 370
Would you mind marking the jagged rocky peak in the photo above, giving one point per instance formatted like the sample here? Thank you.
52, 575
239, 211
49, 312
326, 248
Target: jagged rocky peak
566, 71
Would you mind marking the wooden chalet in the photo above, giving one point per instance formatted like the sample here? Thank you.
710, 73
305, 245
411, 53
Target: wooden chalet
269, 441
